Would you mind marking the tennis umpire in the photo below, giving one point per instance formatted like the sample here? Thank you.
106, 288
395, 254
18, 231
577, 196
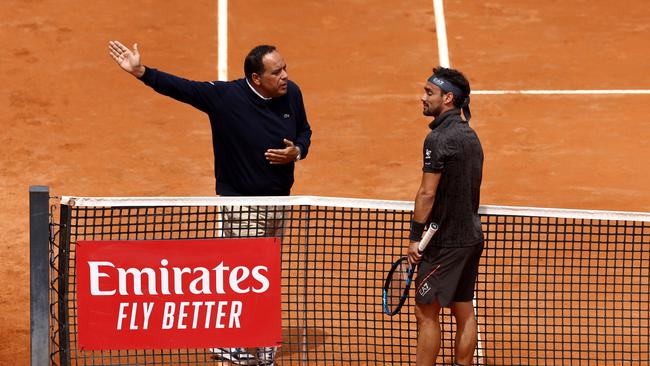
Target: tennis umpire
449, 196
259, 130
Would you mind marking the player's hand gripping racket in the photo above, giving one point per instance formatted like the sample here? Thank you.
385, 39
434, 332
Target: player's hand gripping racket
400, 276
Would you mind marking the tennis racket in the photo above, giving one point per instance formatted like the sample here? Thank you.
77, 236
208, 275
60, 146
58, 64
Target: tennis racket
400, 276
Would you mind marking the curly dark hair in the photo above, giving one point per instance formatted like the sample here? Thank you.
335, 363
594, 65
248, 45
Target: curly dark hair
455, 77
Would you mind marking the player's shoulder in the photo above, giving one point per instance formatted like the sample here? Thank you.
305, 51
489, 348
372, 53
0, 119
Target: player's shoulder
441, 139
437, 134
434, 139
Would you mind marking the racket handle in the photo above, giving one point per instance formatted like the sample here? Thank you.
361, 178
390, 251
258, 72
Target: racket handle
427, 237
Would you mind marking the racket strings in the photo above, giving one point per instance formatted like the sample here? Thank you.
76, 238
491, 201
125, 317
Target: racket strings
398, 284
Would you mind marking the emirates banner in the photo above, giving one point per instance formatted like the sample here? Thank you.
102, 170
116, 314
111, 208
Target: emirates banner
178, 293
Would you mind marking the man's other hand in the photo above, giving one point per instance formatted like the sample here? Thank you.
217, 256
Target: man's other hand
283, 156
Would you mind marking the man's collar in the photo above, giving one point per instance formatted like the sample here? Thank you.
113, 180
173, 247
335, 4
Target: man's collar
255, 91
444, 116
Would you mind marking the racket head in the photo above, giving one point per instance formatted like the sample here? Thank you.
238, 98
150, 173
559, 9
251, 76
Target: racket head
396, 287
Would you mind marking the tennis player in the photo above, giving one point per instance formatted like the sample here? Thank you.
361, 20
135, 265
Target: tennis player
449, 196
259, 132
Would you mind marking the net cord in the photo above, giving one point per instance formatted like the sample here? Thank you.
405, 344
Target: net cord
342, 202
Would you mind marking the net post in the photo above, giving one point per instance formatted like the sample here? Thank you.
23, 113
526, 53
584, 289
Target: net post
38, 275
63, 282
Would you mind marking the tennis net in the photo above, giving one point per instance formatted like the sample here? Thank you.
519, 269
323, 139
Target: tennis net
554, 287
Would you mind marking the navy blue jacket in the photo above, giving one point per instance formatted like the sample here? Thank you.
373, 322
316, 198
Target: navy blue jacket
244, 126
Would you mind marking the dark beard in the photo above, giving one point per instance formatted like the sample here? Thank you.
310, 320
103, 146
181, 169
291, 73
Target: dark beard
433, 113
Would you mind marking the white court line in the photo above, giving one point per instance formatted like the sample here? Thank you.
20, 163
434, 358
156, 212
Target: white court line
441, 32
222, 39
560, 92
443, 53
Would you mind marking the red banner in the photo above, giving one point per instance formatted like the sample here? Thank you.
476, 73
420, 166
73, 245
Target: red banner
179, 293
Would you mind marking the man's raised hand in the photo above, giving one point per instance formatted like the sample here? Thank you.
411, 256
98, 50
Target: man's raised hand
128, 60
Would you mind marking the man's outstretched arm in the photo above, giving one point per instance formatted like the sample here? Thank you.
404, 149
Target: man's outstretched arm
195, 93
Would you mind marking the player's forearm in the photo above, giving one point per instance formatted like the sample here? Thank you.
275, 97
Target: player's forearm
425, 196
423, 204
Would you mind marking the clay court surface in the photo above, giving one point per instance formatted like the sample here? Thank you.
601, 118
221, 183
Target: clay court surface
72, 120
